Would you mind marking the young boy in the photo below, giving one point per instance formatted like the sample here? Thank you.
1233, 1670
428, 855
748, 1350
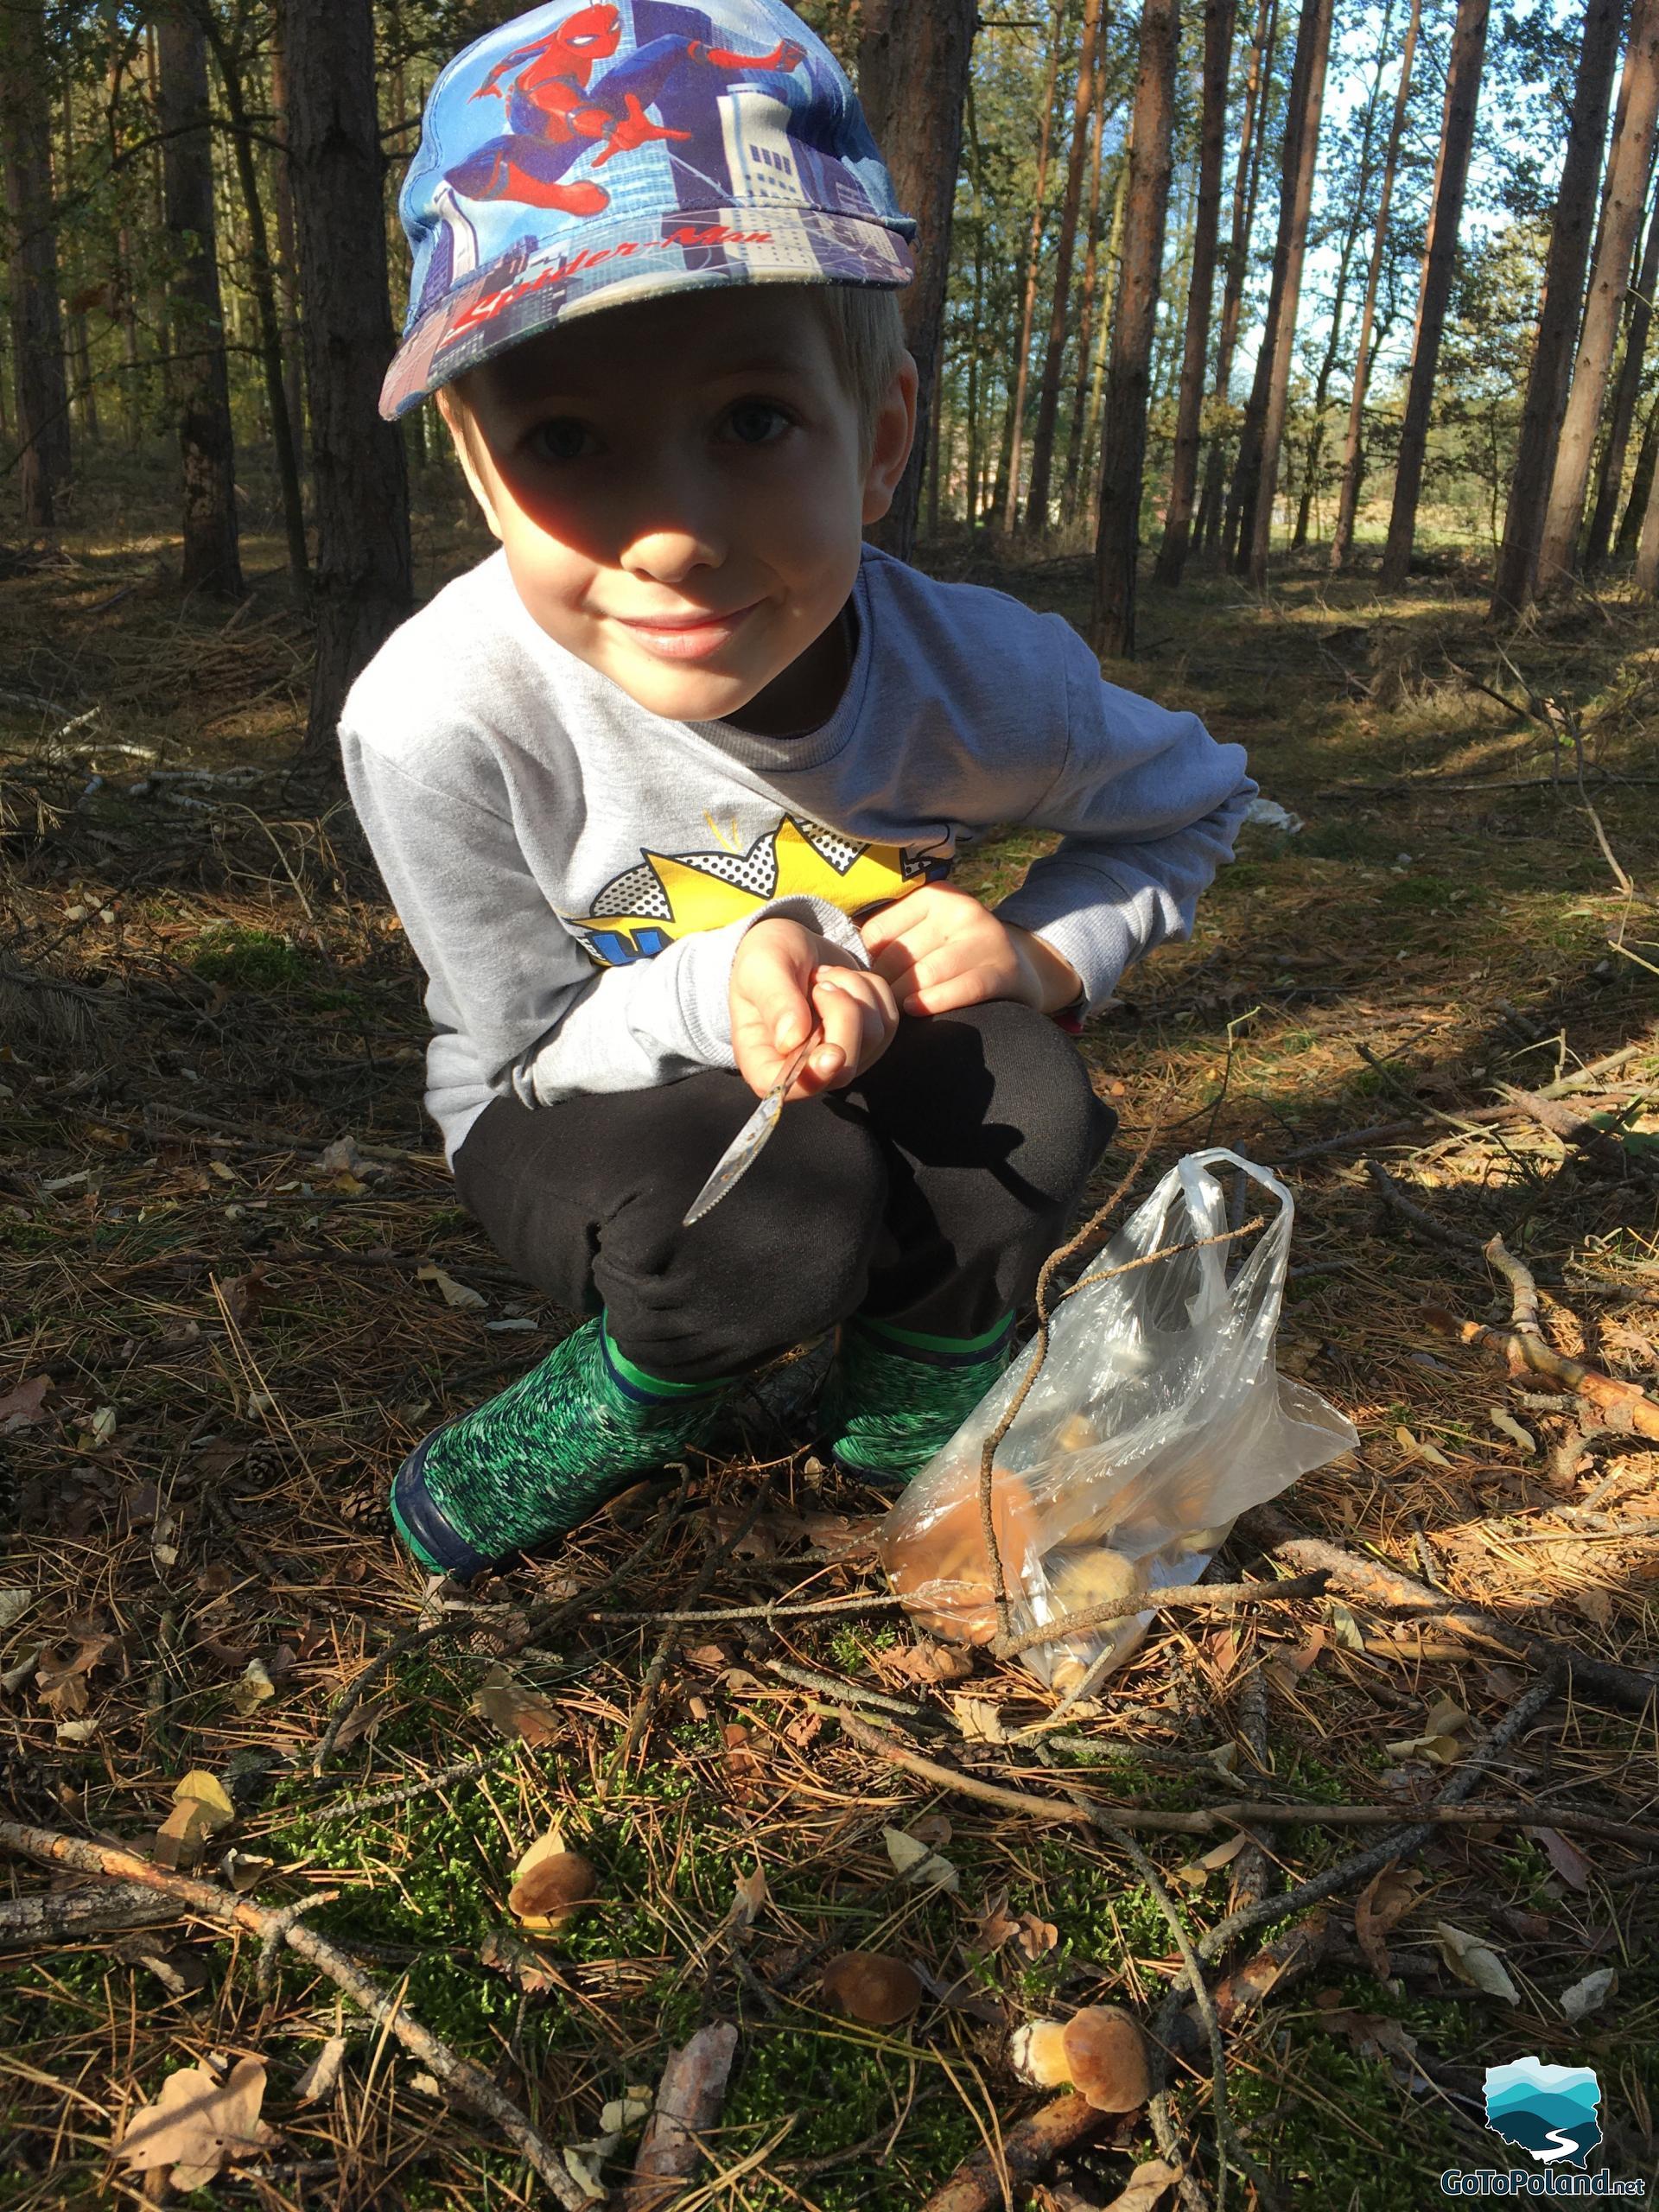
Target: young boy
676, 776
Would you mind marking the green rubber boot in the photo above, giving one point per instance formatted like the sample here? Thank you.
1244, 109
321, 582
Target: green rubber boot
533, 1462
895, 1397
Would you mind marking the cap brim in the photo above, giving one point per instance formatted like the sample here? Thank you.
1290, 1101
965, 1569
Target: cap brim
527, 290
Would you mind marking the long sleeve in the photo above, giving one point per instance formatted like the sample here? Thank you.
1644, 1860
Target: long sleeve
1151, 805
539, 1019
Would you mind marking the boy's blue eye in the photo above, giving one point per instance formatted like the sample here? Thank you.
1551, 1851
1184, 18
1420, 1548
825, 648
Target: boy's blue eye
562, 439
757, 422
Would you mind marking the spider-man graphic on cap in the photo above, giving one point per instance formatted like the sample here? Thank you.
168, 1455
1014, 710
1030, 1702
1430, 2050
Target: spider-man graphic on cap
557, 111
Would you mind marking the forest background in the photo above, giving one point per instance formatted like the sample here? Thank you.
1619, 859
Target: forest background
1302, 356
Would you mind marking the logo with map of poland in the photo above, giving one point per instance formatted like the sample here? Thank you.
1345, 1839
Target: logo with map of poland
1548, 2111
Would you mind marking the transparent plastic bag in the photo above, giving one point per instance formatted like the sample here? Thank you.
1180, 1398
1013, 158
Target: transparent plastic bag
1157, 1417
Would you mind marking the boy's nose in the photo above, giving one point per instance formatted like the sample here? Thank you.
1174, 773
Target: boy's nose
667, 552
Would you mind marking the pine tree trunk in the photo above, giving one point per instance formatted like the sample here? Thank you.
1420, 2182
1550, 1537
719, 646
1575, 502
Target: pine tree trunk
1627, 390
1353, 452
201, 384
293, 348
1246, 181
1645, 575
264, 281
1440, 260
1071, 489
1007, 499
1278, 346
912, 74
1133, 324
1647, 455
363, 582
1623, 199
1218, 18
1048, 395
40, 385
1517, 575
1114, 271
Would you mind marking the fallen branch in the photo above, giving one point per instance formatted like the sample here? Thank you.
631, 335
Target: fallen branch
689, 2099
1381, 1585
981, 2184
1203, 1597
1079, 1810
1514, 1346
469, 2082
1576, 1129
1525, 1317
1460, 1240
52, 1915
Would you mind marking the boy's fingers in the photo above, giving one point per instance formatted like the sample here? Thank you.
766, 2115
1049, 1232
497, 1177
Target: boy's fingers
971, 987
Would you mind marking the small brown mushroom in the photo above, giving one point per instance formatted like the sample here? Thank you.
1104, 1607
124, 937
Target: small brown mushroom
1100, 2052
552, 1891
871, 1986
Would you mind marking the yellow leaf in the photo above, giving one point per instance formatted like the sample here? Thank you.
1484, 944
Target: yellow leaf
199, 2124
454, 1293
200, 1788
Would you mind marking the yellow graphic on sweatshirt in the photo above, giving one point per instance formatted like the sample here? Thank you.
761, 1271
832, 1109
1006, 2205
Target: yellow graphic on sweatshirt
670, 895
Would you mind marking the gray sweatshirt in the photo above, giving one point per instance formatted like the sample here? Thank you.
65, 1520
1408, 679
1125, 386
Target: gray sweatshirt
575, 873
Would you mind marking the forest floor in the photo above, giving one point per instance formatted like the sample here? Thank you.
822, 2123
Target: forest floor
236, 1286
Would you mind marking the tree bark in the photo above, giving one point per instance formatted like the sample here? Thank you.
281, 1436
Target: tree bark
363, 585
1108, 309
912, 75
201, 384
1247, 179
1629, 528
1007, 500
40, 385
1439, 258
288, 250
1353, 453
1218, 18
1623, 199
1072, 488
1048, 396
1133, 324
1278, 346
1627, 390
1516, 576
262, 278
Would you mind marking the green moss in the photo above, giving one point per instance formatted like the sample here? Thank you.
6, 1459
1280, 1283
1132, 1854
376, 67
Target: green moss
249, 960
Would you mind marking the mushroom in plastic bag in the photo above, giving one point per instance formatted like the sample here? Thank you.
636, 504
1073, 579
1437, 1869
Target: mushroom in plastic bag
1157, 1418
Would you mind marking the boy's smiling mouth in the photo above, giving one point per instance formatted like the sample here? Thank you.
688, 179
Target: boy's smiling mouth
695, 636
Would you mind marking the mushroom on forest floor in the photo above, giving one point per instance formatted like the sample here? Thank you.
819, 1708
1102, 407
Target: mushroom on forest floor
550, 1891
1099, 2052
872, 1986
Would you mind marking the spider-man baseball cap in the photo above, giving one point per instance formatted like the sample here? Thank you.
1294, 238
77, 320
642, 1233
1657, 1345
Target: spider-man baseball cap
584, 155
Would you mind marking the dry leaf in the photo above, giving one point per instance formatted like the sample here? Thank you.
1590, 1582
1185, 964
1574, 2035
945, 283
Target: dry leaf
22, 1407
520, 1961
318, 2080
205, 1790
200, 1809
1584, 1996
1506, 1425
750, 1897
1349, 1634
1036, 1938
454, 1293
978, 1721
925, 1663
244, 1296
933, 1830
508, 1706
1569, 1862
1439, 1751
1147, 2186
14, 1603
993, 1928
1444, 1718
199, 2124
1475, 1962
101, 1429
918, 1862
1381, 1905
711, 1657
76, 1731
59, 1678
1372, 2034
254, 1688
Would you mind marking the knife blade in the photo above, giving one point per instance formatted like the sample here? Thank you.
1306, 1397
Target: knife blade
746, 1146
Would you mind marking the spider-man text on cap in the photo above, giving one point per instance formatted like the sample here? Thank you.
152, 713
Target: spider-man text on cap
559, 112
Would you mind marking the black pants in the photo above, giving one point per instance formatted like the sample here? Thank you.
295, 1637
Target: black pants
928, 1193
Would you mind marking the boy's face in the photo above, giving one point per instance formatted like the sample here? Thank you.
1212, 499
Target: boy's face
680, 492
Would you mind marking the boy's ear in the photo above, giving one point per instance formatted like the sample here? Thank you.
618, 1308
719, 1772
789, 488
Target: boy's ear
463, 436
895, 429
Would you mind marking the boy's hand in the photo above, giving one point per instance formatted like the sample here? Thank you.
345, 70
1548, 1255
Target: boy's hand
784, 981
941, 950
